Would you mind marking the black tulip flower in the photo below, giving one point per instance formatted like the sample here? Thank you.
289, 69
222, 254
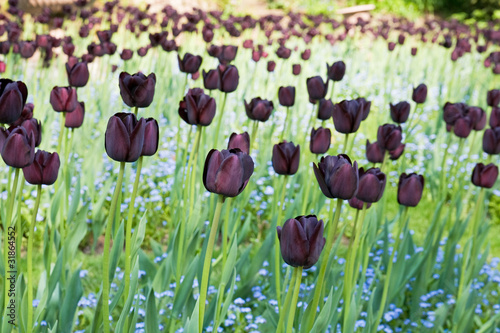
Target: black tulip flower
26, 114
301, 241
44, 169
396, 153
478, 117
453, 111
240, 141
316, 88
227, 54
137, 90
228, 78
347, 116
211, 79
75, 118
389, 136
283, 52
78, 73
410, 189
419, 94
320, 140
463, 127
365, 106
227, 172
13, 96
491, 141
337, 176
18, 149
126, 54
306, 54
325, 109
413, 51
400, 112
27, 49
124, 137
33, 127
151, 137
190, 63
493, 97
286, 158
336, 71
63, 99
197, 108
495, 117
358, 204
484, 175
259, 109
286, 96
374, 152
371, 185
271, 65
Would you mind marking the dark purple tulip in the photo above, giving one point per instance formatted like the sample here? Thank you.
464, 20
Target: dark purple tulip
18, 149
413, 51
296, 69
228, 78
325, 109
286, 158
126, 54
391, 46
169, 45
142, 51
190, 63
26, 114
271, 65
495, 117
124, 137
78, 74
347, 116
400, 112
33, 127
197, 108
478, 117
337, 176
374, 153
306, 54
491, 141
419, 94
137, 90
484, 175
365, 106
283, 52
227, 54
493, 97
320, 140
316, 88
371, 185
74, 119
410, 189
27, 49
389, 136
259, 109
227, 172
358, 204
396, 153
210, 79
13, 96
63, 99
214, 51
286, 96
151, 137
453, 111
44, 169
301, 241
463, 127
336, 72
240, 141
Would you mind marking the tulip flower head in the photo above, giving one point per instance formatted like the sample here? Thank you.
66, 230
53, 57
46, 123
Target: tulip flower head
78, 73
410, 189
151, 137
371, 185
13, 96
389, 136
337, 176
484, 175
286, 96
259, 109
347, 116
400, 112
286, 158
18, 149
374, 152
124, 137
63, 99
419, 94
320, 140
190, 63
44, 169
240, 141
197, 108
316, 88
336, 71
137, 90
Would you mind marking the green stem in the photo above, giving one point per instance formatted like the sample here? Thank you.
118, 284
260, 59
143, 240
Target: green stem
442, 185
223, 106
207, 261
284, 125
346, 140
255, 127
384, 162
19, 226
30, 258
107, 241
192, 176
277, 256
225, 232
284, 310
136, 109
295, 297
332, 90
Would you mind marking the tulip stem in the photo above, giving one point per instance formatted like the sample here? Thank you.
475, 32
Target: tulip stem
192, 175
346, 140
442, 186
6, 227
128, 233
285, 123
223, 106
305, 198
30, 258
136, 110
225, 232
277, 262
207, 262
107, 241
255, 127
285, 309
332, 90
293, 306
332, 229
19, 226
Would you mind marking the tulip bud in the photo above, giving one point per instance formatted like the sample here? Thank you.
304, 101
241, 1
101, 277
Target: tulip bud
78, 74
463, 127
389, 136
151, 137
410, 189
74, 119
325, 109
137, 90
296, 69
337, 176
227, 54
495, 117
491, 141
44, 169
493, 97
124, 137
337, 71
271, 65
453, 111
286, 158
400, 112
126, 54
391, 46
286, 96
259, 109
347, 116
18, 149
413, 51
419, 94
371, 185
240, 141
197, 108
210, 79
316, 88
190, 63
306, 54
63, 99
320, 140
301, 241
227, 172
13, 96
27, 49
283, 52
396, 153
484, 175
374, 152
228, 78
